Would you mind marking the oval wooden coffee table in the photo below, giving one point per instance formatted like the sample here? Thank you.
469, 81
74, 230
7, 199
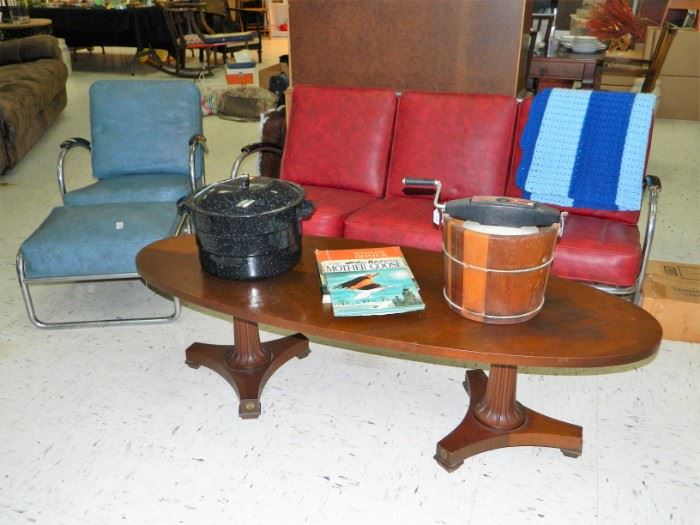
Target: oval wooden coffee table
578, 327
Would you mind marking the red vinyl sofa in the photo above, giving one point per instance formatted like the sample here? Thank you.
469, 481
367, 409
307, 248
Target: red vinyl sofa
350, 148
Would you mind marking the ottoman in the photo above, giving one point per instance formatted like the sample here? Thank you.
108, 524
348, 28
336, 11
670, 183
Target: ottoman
93, 242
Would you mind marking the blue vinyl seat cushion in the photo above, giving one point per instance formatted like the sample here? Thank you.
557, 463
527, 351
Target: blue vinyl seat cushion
81, 241
131, 188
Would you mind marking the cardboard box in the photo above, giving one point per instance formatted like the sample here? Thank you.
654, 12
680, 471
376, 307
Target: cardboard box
680, 98
679, 82
241, 74
271, 71
650, 41
611, 79
683, 57
619, 81
672, 295
613, 82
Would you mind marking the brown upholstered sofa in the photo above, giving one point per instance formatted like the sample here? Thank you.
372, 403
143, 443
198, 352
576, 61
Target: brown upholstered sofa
32, 93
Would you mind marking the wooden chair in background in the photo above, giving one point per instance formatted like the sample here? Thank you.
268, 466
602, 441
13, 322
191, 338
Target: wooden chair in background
189, 31
543, 24
251, 15
648, 69
239, 18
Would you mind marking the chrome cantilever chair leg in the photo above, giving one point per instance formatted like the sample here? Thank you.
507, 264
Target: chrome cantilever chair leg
31, 312
25, 283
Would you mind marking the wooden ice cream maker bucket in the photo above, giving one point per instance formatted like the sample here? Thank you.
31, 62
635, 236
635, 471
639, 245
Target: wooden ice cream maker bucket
497, 254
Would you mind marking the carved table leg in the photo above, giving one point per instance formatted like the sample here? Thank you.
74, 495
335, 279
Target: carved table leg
248, 364
496, 420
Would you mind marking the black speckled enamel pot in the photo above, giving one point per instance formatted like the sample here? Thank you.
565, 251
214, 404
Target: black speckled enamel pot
248, 228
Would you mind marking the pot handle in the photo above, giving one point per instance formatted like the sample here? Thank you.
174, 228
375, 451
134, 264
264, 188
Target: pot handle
183, 205
305, 209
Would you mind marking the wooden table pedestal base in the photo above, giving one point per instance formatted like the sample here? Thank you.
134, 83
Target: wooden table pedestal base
248, 364
496, 420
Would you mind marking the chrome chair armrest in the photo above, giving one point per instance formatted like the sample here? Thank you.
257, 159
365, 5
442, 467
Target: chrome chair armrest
652, 183
250, 149
197, 141
66, 146
653, 187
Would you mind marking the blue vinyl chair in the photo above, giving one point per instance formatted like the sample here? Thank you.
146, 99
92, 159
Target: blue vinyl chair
139, 130
147, 152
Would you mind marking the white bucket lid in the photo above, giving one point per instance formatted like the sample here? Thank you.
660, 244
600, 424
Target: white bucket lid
500, 230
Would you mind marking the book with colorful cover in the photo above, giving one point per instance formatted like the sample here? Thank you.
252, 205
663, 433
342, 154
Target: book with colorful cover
324, 258
368, 281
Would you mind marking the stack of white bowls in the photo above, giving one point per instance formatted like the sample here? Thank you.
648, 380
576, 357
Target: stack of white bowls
586, 44
581, 44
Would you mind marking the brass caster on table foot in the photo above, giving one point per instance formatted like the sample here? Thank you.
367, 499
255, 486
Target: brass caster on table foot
247, 364
570, 453
443, 459
495, 419
249, 408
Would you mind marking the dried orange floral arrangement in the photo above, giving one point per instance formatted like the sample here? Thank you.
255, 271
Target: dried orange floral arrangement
614, 21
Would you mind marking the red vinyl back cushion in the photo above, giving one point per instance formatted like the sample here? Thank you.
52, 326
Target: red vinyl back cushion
339, 138
628, 217
464, 140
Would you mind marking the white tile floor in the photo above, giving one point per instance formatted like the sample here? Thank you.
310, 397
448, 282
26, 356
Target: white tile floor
107, 425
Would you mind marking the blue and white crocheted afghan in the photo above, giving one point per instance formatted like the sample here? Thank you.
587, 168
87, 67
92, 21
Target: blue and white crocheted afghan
586, 149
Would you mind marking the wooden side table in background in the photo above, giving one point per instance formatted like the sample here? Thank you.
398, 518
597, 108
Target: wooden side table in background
35, 26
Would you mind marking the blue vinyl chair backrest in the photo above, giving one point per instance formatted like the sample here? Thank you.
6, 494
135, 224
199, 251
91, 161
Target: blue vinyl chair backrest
143, 127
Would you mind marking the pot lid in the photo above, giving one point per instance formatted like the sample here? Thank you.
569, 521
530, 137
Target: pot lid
248, 196
503, 211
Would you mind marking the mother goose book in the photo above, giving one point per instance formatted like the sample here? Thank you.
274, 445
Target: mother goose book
368, 281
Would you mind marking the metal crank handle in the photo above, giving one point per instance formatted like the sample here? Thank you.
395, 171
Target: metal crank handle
410, 181
427, 183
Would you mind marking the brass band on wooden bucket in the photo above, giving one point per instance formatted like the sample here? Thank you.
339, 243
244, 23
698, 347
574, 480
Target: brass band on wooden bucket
493, 319
497, 279
481, 269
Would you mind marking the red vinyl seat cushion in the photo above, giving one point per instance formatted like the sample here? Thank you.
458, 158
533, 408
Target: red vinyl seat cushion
331, 207
403, 221
599, 251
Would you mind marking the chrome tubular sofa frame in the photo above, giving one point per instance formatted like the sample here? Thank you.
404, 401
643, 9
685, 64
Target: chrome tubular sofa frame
634, 292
